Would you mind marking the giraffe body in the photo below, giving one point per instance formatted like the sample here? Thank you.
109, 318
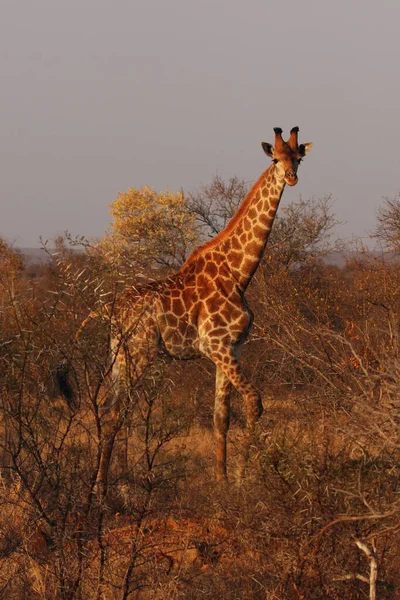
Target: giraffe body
187, 324
201, 310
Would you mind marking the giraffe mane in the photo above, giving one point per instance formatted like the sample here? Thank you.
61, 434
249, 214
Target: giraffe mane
222, 235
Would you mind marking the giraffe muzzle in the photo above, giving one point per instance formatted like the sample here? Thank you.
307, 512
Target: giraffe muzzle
291, 178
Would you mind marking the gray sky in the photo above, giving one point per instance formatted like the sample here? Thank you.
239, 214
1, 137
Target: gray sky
101, 95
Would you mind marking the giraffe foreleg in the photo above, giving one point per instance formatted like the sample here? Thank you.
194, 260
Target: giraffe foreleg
228, 363
221, 420
228, 370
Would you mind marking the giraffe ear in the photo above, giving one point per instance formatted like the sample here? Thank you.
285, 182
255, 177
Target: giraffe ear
268, 149
305, 148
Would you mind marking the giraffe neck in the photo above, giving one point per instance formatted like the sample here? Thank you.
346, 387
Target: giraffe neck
240, 246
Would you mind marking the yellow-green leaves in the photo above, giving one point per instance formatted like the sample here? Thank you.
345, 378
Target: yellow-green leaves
152, 228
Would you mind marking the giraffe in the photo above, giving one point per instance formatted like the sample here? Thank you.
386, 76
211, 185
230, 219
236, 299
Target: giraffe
201, 311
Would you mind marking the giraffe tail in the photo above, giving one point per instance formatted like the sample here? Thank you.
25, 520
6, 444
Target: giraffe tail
64, 383
63, 369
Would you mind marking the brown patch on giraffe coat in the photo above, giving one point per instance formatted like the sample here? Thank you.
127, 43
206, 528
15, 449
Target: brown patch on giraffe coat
226, 314
253, 249
213, 304
248, 266
207, 326
236, 244
260, 207
204, 284
201, 261
235, 258
177, 337
258, 231
265, 220
246, 224
172, 320
178, 307
274, 201
188, 295
225, 285
211, 269
217, 257
218, 320
237, 313
252, 214
219, 332
194, 298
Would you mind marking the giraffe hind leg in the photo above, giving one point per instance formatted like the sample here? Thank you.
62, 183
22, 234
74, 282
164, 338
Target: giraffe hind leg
130, 360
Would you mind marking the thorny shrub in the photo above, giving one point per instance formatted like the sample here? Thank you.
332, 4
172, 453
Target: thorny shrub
323, 471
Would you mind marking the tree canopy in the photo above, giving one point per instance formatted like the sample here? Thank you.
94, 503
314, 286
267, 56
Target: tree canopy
388, 227
152, 228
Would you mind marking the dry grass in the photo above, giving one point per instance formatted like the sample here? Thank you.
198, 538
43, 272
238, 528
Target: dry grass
323, 470
197, 539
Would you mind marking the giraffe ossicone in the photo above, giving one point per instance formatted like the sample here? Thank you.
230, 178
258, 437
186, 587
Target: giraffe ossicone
201, 310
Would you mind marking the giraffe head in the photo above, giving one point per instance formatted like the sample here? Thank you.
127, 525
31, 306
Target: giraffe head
287, 155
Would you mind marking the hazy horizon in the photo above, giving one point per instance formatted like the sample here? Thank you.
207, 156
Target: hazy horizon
98, 97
